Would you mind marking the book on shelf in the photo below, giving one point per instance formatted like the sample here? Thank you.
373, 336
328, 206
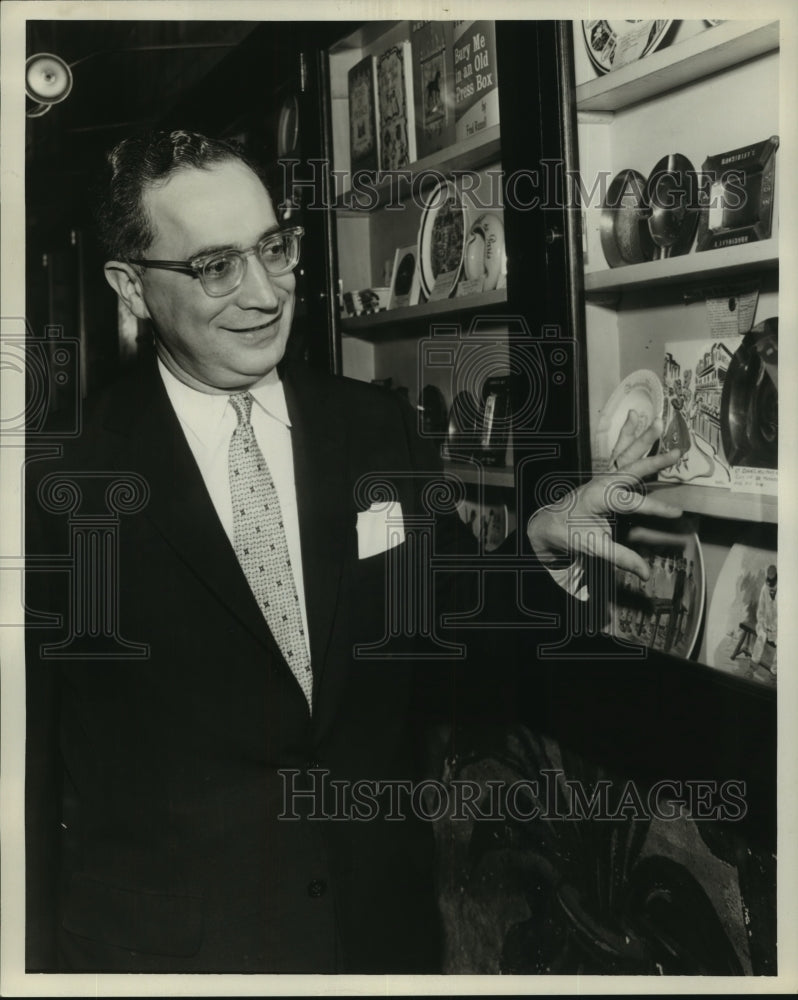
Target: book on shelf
476, 84
397, 133
364, 146
433, 85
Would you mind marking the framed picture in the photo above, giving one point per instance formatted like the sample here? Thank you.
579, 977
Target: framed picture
405, 281
736, 196
363, 134
693, 375
433, 85
742, 626
396, 115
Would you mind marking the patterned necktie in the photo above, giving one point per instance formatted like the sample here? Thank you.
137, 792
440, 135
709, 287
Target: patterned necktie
261, 547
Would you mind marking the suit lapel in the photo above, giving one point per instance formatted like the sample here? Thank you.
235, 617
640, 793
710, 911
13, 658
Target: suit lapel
325, 506
152, 442
179, 503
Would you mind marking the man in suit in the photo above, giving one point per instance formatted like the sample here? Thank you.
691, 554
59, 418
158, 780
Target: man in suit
158, 836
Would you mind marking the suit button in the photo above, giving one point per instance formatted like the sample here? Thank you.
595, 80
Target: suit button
317, 888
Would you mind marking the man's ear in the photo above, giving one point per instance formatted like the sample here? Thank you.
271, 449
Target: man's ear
126, 282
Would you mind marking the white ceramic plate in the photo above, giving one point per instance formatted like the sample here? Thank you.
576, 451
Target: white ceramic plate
441, 239
640, 391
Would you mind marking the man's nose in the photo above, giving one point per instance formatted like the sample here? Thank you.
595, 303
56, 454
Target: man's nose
257, 290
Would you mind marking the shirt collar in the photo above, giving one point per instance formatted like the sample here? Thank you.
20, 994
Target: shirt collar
204, 412
270, 395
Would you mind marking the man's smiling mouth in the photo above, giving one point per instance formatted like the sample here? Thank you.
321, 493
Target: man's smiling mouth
254, 329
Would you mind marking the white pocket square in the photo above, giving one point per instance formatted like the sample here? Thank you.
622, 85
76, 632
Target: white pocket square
379, 528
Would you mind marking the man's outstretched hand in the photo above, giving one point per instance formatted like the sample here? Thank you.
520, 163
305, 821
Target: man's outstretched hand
620, 491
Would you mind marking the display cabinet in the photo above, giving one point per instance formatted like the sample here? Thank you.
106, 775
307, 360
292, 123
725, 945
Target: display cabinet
705, 100
442, 212
415, 222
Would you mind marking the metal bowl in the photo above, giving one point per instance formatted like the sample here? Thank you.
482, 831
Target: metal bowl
625, 238
672, 200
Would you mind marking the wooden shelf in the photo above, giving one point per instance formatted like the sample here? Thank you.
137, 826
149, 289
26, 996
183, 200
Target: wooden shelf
702, 55
719, 502
387, 324
469, 154
710, 265
481, 475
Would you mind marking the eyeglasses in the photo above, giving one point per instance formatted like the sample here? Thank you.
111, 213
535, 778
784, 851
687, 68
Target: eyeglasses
223, 271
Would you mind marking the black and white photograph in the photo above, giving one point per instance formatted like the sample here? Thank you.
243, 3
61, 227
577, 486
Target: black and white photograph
392, 497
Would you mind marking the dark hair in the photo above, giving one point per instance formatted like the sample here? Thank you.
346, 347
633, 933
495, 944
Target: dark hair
125, 231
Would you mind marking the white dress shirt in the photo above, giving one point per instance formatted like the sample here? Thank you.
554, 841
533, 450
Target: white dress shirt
208, 421
570, 579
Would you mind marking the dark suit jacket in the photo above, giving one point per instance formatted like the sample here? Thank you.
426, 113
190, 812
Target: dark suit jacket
154, 796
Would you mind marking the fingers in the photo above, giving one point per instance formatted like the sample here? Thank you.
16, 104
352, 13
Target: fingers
548, 534
650, 536
654, 507
625, 494
612, 552
628, 451
626, 436
644, 467
621, 495
624, 558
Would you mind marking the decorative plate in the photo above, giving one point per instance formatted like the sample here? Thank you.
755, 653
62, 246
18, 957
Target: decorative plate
640, 391
441, 241
484, 255
664, 612
611, 44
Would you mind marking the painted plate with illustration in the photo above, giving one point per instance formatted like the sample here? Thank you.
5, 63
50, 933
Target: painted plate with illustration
664, 612
441, 241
